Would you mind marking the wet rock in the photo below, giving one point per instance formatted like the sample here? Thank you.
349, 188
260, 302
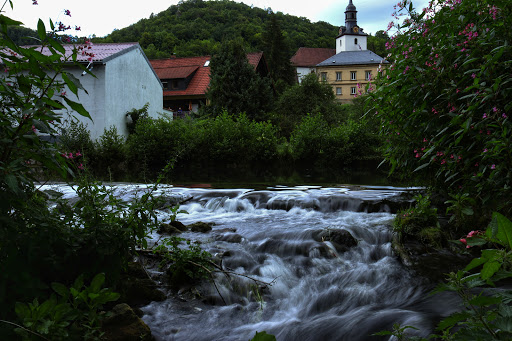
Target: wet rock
125, 325
200, 227
429, 263
137, 288
168, 229
342, 240
225, 230
179, 225
229, 237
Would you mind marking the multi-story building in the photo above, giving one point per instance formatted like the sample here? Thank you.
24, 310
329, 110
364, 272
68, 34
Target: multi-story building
353, 66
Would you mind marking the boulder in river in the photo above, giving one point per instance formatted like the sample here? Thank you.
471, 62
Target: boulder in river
168, 229
125, 325
342, 240
200, 227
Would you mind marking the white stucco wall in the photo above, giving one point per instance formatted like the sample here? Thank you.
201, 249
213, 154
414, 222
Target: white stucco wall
93, 101
121, 84
302, 71
346, 43
130, 83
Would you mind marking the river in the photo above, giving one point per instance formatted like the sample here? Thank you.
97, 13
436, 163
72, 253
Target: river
319, 291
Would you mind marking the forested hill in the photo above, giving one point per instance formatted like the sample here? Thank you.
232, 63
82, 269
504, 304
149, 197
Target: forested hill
196, 27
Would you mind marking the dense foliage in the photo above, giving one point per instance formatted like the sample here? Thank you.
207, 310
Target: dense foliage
444, 107
445, 101
235, 85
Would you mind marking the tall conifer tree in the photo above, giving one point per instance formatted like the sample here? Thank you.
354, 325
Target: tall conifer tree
277, 53
234, 84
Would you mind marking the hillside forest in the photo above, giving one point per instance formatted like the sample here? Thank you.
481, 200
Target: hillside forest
197, 27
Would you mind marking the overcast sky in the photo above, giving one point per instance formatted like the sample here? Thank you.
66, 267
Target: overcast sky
101, 17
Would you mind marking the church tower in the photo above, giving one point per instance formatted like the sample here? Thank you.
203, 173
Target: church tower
351, 37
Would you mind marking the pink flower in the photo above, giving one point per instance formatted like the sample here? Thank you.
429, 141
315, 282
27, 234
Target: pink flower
67, 12
473, 75
504, 115
493, 166
463, 241
81, 166
485, 115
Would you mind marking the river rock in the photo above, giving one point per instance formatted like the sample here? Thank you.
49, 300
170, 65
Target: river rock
125, 325
179, 225
200, 227
430, 263
137, 288
229, 237
342, 240
168, 229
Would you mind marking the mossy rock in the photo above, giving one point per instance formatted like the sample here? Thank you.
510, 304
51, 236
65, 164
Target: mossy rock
137, 288
168, 229
200, 227
179, 225
125, 325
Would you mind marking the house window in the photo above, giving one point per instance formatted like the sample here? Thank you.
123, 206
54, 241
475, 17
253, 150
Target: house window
338, 91
324, 76
341, 42
355, 41
165, 85
353, 90
174, 84
353, 75
338, 75
368, 75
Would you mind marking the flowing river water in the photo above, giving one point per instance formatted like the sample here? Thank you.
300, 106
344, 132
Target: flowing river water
320, 290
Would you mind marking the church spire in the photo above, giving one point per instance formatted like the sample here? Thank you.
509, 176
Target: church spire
350, 16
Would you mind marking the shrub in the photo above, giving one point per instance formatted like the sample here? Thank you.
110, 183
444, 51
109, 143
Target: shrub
110, 154
445, 102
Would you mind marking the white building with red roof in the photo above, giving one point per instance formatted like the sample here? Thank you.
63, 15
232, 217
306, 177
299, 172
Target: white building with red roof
123, 80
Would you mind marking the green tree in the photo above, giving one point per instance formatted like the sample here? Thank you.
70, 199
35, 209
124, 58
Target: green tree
278, 55
378, 42
234, 84
308, 97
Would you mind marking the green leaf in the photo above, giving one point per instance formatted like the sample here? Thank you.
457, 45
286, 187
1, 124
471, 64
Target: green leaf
263, 336
452, 320
97, 282
6, 21
12, 183
421, 167
490, 269
41, 30
79, 108
71, 85
56, 45
22, 310
504, 233
60, 289
483, 301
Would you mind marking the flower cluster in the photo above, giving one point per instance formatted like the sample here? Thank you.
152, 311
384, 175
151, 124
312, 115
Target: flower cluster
472, 234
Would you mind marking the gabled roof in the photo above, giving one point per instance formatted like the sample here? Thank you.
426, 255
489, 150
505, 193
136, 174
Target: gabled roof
101, 52
353, 58
309, 57
176, 72
174, 68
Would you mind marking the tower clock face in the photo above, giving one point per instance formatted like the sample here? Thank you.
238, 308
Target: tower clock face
355, 29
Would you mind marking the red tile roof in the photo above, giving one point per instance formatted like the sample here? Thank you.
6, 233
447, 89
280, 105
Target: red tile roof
175, 72
177, 67
101, 52
309, 57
